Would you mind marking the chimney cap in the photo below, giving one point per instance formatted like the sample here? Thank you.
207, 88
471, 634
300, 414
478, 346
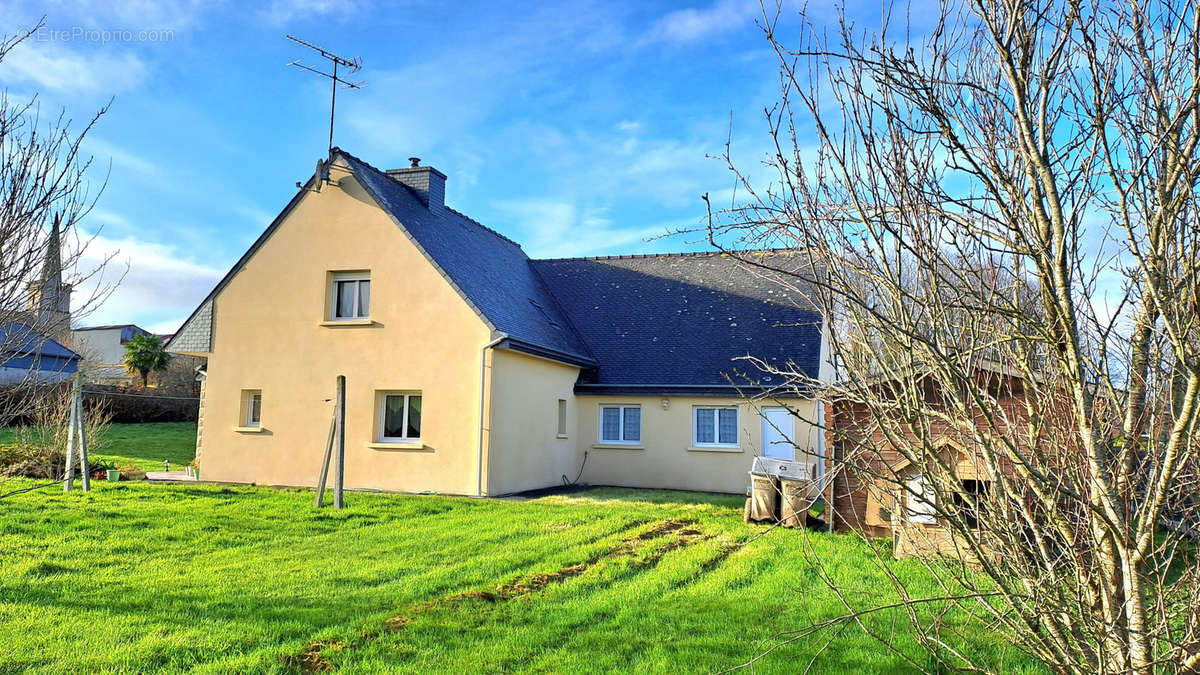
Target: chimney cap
414, 162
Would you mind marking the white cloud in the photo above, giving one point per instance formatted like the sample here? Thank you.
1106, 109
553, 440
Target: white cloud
52, 66
123, 15
160, 285
559, 229
285, 11
685, 26
103, 151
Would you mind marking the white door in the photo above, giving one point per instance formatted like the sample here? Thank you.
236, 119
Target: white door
777, 432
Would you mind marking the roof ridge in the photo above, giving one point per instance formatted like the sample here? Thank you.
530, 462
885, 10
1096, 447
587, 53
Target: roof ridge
681, 254
476, 222
448, 208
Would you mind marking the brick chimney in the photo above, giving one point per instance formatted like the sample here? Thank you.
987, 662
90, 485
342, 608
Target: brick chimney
426, 181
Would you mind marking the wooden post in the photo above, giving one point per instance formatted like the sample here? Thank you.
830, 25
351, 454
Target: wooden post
81, 428
339, 474
325, 461
72, 423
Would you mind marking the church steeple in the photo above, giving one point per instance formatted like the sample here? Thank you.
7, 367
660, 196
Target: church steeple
49, 297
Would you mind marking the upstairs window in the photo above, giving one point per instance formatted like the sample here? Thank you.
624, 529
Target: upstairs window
350, 298
716, 427
399, 417
621, 424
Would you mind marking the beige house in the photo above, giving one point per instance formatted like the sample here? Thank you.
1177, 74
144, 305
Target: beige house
472, 369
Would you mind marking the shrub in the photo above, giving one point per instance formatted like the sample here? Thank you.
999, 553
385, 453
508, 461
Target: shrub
131, 472
26, 460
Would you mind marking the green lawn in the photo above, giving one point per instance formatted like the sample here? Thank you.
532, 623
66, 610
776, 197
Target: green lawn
142, 445
139, 577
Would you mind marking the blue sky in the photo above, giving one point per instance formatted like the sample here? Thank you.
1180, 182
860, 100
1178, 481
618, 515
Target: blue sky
574, 128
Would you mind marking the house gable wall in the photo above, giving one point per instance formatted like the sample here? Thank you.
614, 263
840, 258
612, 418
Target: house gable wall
268, 335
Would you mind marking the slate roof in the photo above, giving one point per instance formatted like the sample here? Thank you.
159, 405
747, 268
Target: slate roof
682, 320
489, 270
24, 340
634, 324
128, 330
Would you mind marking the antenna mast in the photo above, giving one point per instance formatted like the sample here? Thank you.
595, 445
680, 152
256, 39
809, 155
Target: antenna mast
352, 65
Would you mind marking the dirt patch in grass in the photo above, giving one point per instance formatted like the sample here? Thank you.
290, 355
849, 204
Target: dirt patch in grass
312, 660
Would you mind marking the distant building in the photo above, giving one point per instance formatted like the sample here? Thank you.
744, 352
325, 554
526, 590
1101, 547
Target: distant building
49, 298
29, 356
103, 350
35, 345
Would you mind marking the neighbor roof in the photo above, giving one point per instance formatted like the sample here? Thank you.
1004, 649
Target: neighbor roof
112, 327
23, 339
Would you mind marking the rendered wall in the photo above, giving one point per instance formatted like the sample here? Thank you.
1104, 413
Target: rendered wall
524, 449
100, 346
666, 457
268, 335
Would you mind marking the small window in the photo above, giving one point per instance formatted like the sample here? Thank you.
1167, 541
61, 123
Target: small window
251, 407
350, 297
716, 427
621, 424
399, 418
922, 501
562, 417
969, 502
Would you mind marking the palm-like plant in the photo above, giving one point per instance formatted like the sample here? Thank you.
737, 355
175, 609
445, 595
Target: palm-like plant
144, 354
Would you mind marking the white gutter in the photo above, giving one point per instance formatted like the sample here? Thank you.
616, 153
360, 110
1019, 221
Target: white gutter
482, 398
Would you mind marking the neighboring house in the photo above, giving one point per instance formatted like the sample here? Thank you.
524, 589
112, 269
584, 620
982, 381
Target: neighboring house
29, 356
103, 350
865, 492
472, 369
105, 345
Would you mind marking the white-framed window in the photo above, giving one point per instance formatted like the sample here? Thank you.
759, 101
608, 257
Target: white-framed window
715, 427
922, 501
399, 417
562, 418
251, 407
350, 296
621, 424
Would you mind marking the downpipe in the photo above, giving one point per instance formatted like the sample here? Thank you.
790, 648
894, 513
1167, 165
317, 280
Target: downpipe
483, 381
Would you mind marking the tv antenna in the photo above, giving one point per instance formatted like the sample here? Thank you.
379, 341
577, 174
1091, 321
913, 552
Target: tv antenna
352, 65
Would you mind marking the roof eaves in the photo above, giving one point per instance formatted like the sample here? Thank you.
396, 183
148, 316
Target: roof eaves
707, 390
545, 352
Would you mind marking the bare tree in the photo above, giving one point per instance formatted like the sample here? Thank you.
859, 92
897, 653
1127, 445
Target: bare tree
44, 194
1005, 194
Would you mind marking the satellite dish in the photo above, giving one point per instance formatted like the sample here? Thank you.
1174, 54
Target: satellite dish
322, 174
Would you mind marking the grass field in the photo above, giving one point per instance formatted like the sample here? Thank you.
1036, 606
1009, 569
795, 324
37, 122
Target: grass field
140, 577
142, 445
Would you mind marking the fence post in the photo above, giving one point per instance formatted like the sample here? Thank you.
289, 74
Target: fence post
72, 422
81, 429
340, 466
